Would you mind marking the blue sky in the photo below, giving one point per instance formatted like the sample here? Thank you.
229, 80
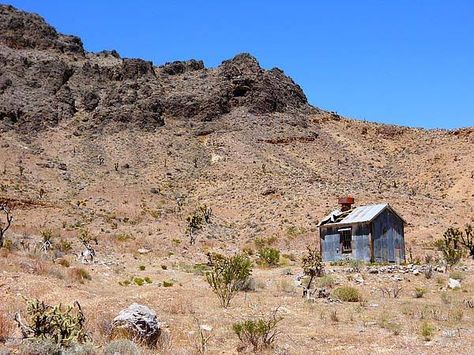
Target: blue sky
408, 62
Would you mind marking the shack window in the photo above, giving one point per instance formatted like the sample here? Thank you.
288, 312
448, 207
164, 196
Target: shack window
345, 238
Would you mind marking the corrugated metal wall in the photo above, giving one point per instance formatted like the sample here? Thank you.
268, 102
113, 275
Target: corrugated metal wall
331, 247
388, 236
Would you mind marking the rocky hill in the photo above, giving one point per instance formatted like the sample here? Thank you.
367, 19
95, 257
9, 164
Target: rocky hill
86, 136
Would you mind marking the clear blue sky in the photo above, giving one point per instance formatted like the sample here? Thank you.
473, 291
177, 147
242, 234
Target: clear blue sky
408, 62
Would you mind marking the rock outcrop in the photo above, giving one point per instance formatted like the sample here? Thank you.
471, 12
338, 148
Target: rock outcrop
46, 78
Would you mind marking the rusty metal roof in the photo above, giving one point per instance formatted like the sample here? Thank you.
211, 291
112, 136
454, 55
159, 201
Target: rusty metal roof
357, 215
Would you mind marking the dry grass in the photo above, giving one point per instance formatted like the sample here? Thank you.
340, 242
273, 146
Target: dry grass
6, 326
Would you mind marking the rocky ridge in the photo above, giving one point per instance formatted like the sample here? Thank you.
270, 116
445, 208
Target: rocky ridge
48, 77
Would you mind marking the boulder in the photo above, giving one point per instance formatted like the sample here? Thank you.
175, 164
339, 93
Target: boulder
454, 284
139, 323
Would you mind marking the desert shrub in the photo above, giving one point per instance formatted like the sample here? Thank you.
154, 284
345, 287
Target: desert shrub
445, 297
427, 330
63, 262
142, 268
457, 275
258, 333
268, 256
138, 281
450, 246
64, 245
286, 286
122, 347
81, 349
125, 283
123, 237
227, 275
390, 325
355, 265
294, 231
456, 314
333, 316
347, 294
326, 281
79, 274
64, 327
420, 292
40, 347
168, 283
8, 245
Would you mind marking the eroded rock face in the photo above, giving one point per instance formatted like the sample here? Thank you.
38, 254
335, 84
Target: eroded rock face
21, 30
47, 78
139, 322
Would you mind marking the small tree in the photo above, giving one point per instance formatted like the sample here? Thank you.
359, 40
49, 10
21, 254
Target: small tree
227, 276
467, 239
450, 246
312, 266
6, 210
196, 221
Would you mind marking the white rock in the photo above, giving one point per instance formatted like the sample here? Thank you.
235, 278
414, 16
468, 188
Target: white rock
206, 327
453, 283
140, 321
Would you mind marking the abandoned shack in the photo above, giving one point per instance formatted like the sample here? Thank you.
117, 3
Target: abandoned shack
369, 233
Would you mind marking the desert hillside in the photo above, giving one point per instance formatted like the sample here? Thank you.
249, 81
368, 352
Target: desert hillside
127, 150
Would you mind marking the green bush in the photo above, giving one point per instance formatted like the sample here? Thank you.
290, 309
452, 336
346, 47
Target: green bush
167, 283
227, 275
268, 256
138, 281
427, 330
347, 294
258, 333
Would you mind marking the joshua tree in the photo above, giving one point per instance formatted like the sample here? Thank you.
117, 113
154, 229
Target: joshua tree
450, 246
312, 266
88, 254
467, 239
6, 210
